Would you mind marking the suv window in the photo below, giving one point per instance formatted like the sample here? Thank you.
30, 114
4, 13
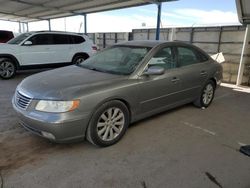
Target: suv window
78, 39
163, 58
42, 39
62, 39
186, 56
19, 39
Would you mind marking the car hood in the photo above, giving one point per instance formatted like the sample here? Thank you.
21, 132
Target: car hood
66, 83
4, 47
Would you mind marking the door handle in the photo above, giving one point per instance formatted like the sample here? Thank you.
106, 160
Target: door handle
175, 79
203, 73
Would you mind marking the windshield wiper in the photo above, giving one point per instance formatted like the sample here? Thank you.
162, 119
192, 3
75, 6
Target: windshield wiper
91, 68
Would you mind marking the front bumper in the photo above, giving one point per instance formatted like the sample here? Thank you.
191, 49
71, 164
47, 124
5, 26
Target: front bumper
59, 127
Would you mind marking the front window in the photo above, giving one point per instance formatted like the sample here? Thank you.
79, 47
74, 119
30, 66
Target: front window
19, 39
117, 60
163, 58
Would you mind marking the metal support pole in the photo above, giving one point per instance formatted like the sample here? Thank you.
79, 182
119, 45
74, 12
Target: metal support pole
19, 27
27, 26
104, 40
242, 58
219, 43
157, 37
23, 27
49, 24
85, 23
192, 36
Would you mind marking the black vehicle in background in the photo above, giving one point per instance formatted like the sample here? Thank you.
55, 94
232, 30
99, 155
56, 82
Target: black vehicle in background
5, 36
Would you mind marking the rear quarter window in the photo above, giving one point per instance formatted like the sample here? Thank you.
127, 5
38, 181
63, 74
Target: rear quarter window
78, 39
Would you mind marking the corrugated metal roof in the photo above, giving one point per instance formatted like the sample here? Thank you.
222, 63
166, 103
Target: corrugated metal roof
243, 9
35, 10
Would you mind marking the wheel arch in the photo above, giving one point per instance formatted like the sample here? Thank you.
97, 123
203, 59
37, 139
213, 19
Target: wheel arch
13, 58
84, 54
121, 99
214, 81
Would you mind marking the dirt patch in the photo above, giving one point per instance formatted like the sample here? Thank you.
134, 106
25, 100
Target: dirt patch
17, 152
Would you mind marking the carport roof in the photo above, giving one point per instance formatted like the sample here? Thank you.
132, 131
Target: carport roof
34, 10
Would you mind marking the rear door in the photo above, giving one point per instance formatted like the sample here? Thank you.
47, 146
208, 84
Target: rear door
193, 67
63, 47
160, 91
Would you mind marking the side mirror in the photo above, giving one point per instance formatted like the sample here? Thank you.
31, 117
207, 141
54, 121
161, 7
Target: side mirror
154, 70
27, 43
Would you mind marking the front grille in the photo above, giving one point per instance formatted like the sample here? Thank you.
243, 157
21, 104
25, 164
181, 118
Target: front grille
22, 101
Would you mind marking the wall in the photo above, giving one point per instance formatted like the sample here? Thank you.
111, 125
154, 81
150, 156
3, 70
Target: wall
226, 39
103, 40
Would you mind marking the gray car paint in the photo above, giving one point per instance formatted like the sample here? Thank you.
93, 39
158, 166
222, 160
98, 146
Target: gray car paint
144, 95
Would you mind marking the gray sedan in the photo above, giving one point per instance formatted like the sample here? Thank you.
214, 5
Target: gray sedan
100, 97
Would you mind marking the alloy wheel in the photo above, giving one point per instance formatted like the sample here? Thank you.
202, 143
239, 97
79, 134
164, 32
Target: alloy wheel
110, 124
208, 94
7, 69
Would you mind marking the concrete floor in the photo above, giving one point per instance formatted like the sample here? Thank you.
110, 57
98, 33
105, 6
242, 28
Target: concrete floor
185, 147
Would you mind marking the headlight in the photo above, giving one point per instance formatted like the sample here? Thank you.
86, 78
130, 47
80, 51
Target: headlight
57, 106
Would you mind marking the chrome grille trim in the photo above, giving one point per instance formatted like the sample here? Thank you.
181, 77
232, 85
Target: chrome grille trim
22, 101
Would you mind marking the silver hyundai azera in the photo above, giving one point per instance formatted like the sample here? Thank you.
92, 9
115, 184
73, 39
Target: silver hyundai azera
100, 97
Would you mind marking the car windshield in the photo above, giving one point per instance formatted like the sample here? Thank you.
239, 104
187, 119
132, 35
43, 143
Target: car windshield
19, 39
116, 60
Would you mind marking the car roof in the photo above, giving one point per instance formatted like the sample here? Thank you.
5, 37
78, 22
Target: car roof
151, 43
154, 43
57, 32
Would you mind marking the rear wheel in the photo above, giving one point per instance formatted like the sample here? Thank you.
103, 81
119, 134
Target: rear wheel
79, 59
7, 68
207, 95
108, 124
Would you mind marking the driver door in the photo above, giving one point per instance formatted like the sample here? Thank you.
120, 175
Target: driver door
158, 92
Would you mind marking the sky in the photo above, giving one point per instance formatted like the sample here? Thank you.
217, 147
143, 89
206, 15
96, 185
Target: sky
174, 14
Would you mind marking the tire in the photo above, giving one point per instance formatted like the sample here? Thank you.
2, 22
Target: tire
207, 95
108, 124
79, 59
7, 68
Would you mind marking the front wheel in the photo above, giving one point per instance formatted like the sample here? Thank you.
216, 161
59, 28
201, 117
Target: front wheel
207, 95
7, 68
108, 124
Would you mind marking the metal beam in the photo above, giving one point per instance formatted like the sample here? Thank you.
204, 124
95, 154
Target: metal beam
242, 58
85, 23
157, 37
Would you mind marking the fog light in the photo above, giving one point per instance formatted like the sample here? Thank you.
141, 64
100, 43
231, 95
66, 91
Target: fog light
48, 135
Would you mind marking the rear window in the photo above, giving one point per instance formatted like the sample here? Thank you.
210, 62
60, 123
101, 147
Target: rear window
78, 39
62, 39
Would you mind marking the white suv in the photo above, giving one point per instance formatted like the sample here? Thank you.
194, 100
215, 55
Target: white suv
43, 49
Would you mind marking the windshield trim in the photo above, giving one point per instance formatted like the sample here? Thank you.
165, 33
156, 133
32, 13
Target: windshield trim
100, 70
